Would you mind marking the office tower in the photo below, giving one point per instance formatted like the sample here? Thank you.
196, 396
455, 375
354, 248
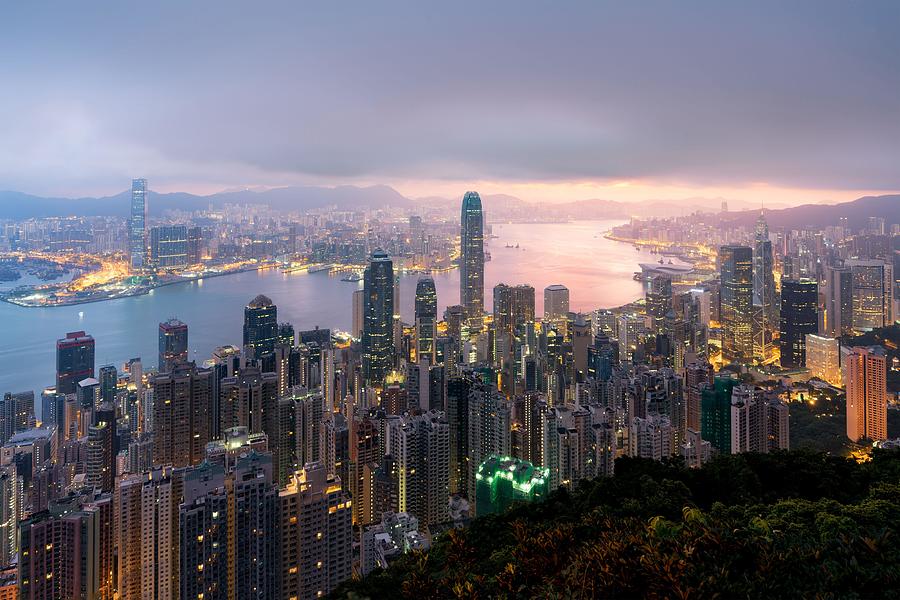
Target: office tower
74, 361
316, 550
715, 413
169, 246
502, 481
556, 303
16, 414
865, 377
181, 405
421, 446
147, 534
260, 326
194, 245
252, 547
763, 275
109, 383
11, 509
736, 276
204, 531
426, 320
799, 317
838, 301
286, 334
359, 313
513, 307
173, 344
378, 325
658, 297
87, 392
873, 297
137, 226
471, 260
823, 358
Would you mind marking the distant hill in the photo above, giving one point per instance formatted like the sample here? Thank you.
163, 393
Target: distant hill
820, 215
18, 205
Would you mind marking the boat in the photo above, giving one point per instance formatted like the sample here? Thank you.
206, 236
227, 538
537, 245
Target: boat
509, 245
352, 277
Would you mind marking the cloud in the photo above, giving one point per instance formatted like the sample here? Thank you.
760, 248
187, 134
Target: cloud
800, 94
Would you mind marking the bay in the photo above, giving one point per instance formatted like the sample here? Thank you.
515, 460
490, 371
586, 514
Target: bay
597, 271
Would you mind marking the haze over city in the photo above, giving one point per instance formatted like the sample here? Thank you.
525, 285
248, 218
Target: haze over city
757, 102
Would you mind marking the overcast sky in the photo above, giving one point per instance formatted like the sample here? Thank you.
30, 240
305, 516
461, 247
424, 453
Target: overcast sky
785, 101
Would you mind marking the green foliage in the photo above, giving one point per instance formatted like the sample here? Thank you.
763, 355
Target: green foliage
783, 525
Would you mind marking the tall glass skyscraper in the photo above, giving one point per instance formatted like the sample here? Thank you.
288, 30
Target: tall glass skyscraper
799, 316
736, 297
378, 322
764, 283
426, 318
173, 344
137, 242
261, 326
471, 260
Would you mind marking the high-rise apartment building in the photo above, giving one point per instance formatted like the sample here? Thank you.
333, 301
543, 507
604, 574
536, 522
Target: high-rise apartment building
471, 260
173, 344
736, 276
74, 361
799, 317
181, 405
421, 446
513, 307
865, 378
378, 326
315, 534
137, 225
556, 303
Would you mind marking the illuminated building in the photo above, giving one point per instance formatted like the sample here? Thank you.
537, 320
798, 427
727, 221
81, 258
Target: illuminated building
556, 303
109, 382
359, 313
872, 285
173, 344
378, 326
865, 378
658, 297
11, 509
823, 358
169, 246
736, 276
426, 320
799, 317
421, 446
181, 405
315, 534
502, 481
513, 307
137, 225
471, 260
838, 301
764, 278
260, 326
204, 528
74, 361
16, 414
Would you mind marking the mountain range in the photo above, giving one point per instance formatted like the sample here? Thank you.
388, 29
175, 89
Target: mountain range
19, 205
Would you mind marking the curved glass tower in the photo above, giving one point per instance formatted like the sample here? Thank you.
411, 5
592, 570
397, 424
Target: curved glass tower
471, 260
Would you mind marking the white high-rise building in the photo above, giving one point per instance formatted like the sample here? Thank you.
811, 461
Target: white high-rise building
823, 358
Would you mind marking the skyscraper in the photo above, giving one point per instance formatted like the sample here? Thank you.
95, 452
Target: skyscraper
471, 260
763, 276
873, 298
736, 276
173, 344
260, 326
74, 361
378, 327
799, 317
838, 301
169, 246
181, 404
556, 303
421, 446
137, 226
658, 297
426, 319
109, 381
823, 358
865, 376
359, 313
